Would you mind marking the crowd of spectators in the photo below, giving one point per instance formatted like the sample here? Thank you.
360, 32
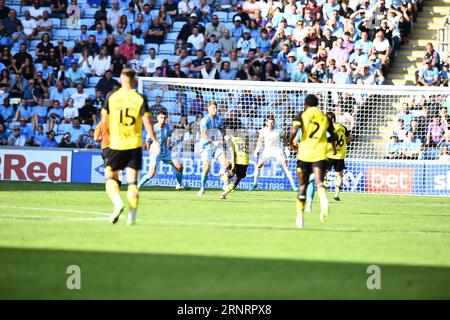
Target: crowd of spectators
435, 69
421, 133
56, 82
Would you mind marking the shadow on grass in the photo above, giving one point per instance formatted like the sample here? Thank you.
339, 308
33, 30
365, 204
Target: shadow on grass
41, 274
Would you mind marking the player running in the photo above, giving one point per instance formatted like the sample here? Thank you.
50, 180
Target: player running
210, 126
336, 160
272, 139
163, 133
122, 114
311, 154
237, 146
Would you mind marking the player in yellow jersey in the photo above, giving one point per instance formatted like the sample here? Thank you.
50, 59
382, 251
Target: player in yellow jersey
123, 114
238, 149
336, 160
311, 153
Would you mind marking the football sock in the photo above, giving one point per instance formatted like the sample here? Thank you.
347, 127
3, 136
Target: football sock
257, 173
203, 181
300, 206
132, 198
310, 191
338, 191
113, 191
179, 176
322, 192
143, 181
289, 175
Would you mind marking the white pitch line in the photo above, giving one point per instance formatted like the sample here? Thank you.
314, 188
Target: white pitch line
12, 217
56, 210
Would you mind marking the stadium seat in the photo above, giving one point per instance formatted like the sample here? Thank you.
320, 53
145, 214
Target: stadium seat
24, 8
144, 56
74, 34
159, 3
93, 81
89, 22
56, 23
69, 44
154, 12
89, 12
229, 25
63, 127
167, 48
222, 15
59, 137
12, 124
33, 44
171, 37
71, 91
148, 46
175, 118
171, 107
177, 25
60, 34
91, 92
230, 16
208, 95
191, 119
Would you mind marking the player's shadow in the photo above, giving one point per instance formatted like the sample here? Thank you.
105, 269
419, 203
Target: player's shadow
41, 274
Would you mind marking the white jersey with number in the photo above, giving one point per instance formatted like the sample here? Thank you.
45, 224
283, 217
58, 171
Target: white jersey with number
272, 144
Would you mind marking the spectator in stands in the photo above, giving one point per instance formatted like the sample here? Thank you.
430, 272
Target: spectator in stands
99, 100
197, 64
208, 71
88, 113
76, 131
226, 73
54, 59
49, 141
151, 63
18, 84
29, 25
6, 111
186, 30
43, 48
444, 75
204, 11
46, 72
66, 141
432, 55
4, 135
26, 131
185, 9
38, 136
215, 28
101, 63
364, 76
410, 147
227, 44
393, 148
196, 39
406, 116
107, 83
55, 115
118, 62
422, 124
44, 25
238, 29
23, 111
382, 50
75, 76
73, 15
58, 9
16, 138
114, 14
428, 75
435, 132
217, 60
156, 32
212, 47
358, 59
79, 97
70, 112
33, 92
60, 94
444, 155
197, 105
85, 62
181, 99
82, 39
299, 75
92, 46
245, 43
11, 22
39, 113
246, 72
20, 57
4, 10
177, 72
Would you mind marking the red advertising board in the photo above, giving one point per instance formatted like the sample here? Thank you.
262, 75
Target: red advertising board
390, 180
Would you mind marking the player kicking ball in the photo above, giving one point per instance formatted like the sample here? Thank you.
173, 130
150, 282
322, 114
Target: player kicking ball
237, 146
210, 126
337, 160
163, 133
272, 139
311, 154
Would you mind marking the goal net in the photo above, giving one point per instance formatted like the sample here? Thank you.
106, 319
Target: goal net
401, 134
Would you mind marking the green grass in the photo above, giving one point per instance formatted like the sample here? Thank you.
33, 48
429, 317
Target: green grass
185, 247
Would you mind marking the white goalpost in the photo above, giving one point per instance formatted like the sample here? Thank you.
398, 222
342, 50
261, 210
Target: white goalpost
414, 162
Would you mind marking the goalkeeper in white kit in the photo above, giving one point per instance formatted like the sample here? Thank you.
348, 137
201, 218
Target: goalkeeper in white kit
272, 139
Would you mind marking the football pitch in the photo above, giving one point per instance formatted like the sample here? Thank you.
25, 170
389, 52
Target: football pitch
246, 247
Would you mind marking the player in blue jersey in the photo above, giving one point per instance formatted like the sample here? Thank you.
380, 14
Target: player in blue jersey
163, 134
211, 146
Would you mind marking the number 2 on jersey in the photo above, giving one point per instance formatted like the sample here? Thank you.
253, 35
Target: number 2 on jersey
311, 136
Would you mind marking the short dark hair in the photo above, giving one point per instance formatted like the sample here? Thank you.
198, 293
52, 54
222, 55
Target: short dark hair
311, 100
163, 112
331, 116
